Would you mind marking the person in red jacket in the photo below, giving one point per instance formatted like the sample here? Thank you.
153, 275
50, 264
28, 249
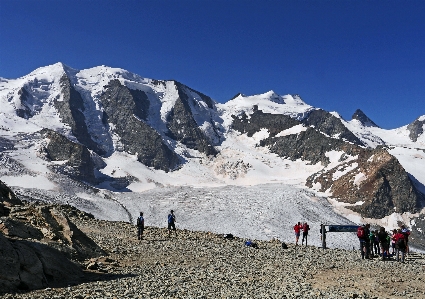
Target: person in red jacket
297, 230
400, 245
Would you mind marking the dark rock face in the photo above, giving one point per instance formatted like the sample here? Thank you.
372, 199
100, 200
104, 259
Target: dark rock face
417, 237
80, 164
71, 110
183, 127
366, 121
25, 99
258, 120
7, 197
126, 110
325, 122
377, 179
6, 144
416, 129
309, 145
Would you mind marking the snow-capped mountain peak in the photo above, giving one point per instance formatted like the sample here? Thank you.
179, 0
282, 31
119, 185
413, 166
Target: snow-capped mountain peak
116, 130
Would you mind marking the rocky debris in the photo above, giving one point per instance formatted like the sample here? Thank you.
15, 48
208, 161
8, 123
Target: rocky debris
416, 128
126, 111
363, 119
232, 169
206, 265
39, 245
183, 127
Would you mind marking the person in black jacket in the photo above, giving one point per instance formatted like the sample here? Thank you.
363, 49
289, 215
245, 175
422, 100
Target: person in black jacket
140, 226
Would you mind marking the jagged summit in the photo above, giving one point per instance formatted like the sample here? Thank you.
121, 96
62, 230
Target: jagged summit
363, 119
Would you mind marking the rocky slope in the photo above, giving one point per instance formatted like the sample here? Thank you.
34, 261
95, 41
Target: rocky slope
205, 265
39, 245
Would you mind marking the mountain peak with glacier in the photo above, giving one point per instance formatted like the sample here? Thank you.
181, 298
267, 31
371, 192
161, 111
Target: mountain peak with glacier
116, 131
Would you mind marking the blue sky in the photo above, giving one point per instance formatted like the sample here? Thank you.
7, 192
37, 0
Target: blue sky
337, 55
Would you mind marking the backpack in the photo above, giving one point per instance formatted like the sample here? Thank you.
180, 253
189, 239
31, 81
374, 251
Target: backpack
249, 243
139, 221
170, 218
360, 232
284, 246
228, 236
401, 244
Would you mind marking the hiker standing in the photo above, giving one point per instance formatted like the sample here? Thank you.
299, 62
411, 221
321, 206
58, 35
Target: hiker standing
171, 223
140, 226
406, 232
384, 241
394, 232
297, 230
400, 245
363, 235
306, 228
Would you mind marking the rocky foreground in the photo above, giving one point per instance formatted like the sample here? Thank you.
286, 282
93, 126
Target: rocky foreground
205, 265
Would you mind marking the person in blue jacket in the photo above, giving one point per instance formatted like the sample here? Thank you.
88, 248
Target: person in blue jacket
171, 223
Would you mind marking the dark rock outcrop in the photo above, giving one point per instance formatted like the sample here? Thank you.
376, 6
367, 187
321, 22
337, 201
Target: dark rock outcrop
363, 119
127, 111
375, 178
416, 129
183, 127
38, 244
71, 110
28, 265
258, 120
331, 125
79, 165
25, 98
6, 144
309, 145
7, 197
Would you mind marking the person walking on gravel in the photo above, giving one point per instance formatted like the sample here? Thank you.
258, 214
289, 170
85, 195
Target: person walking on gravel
297, 230
171, 223
140, 226
306, 228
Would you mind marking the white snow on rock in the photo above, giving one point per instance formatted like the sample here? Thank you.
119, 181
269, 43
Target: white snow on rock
246, 190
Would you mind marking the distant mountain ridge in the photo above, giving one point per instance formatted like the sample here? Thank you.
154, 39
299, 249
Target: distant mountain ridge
79, 120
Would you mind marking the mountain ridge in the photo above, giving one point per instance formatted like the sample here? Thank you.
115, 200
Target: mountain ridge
80, 123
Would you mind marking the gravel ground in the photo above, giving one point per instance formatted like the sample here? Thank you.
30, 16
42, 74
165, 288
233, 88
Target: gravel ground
204, 265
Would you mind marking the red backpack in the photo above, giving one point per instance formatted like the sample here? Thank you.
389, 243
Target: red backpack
360, 232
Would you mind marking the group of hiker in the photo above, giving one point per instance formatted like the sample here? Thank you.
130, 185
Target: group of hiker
372, 243
378, 242
171, 220
304, 228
